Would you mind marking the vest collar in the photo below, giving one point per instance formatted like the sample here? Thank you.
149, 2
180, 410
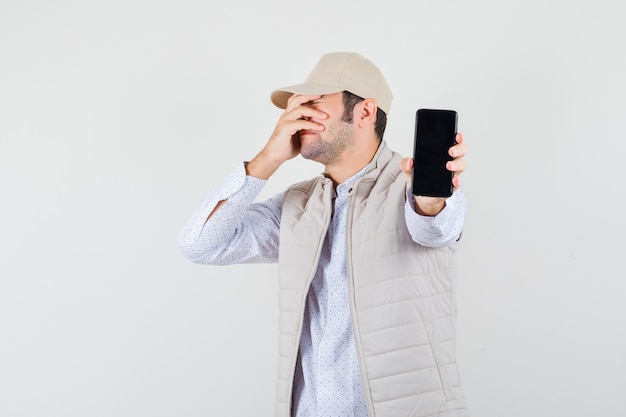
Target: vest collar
381, 158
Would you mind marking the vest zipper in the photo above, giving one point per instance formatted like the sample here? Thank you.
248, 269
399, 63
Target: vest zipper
327, 198
355, 322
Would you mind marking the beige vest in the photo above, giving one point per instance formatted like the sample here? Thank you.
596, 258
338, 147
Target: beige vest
401, 295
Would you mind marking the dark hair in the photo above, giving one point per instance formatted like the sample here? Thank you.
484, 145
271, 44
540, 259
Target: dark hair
350, 100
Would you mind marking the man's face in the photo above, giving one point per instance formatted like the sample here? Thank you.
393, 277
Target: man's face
327, 147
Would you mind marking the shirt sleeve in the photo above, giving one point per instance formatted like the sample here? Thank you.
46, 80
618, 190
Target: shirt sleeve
441, 230
241, 231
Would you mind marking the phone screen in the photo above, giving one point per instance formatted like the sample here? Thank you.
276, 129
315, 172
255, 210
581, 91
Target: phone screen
435, 133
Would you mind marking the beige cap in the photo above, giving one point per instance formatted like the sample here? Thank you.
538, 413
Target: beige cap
339, 71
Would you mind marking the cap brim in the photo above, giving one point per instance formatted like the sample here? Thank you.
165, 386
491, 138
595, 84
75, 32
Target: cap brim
281, 96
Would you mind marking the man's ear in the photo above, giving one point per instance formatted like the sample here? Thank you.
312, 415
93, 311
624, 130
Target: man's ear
367, 111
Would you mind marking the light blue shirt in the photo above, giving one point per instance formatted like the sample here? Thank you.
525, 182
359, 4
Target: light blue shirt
327, 380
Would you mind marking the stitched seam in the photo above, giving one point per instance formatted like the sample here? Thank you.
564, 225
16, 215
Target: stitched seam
404, 276
405, 301
402, 373
408, 396
397, 350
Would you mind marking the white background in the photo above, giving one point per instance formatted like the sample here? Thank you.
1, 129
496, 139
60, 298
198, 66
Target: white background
117, 117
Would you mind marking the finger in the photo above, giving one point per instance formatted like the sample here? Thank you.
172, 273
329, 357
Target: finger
309, 125
458, 151
297, 100
406, 165
459, 137
456, 181
294, 126
457, 166
305, 112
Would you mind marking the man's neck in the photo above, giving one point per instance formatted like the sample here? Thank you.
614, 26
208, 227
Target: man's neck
350, 164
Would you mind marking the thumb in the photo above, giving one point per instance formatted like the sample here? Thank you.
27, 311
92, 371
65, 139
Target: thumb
406, 165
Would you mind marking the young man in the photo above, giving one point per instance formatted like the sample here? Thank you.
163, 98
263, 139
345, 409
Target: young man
367, 270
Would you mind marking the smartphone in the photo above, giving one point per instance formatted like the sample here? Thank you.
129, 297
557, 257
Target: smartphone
435, 133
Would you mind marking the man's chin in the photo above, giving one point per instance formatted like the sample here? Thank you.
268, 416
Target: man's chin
305, 154
309, 152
